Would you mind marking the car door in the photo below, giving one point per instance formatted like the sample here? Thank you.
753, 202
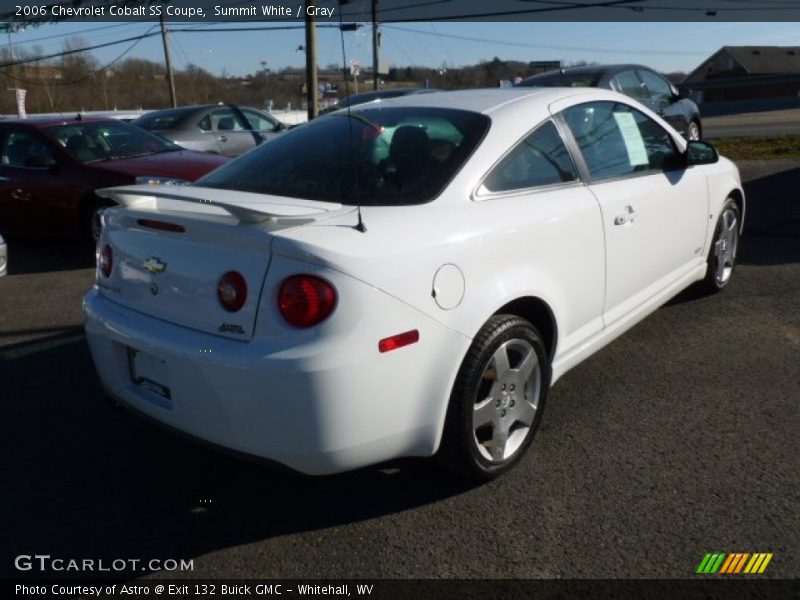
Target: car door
550, 222
231, 136
31, 197
662, 99
627, 82
654, 209
262, 125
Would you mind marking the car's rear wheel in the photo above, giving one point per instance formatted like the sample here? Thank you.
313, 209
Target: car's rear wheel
497, 400
724, 248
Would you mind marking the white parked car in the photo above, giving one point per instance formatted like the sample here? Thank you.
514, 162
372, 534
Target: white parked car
503, 236
3, 257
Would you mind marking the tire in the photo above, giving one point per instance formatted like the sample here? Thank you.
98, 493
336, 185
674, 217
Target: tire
486, 407
724, 249
90, 218
693, 130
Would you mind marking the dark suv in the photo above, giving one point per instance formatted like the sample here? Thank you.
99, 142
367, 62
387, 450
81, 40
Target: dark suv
638, 82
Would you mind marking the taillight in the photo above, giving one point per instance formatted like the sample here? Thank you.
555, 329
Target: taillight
105, 261
232, 291
305, 300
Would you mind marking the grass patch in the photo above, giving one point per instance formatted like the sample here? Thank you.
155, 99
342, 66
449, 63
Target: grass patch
759, 147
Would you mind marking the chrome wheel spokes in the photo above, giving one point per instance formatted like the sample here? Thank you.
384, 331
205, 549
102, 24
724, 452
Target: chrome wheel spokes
507, 400
726, 245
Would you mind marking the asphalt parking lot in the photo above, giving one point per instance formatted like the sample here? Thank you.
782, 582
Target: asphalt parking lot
680, 438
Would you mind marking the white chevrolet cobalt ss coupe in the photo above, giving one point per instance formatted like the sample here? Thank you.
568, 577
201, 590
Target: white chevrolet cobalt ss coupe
406, 279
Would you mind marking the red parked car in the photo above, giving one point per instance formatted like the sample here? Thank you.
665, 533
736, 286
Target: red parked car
50, 168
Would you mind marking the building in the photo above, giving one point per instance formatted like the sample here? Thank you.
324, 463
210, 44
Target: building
746, 73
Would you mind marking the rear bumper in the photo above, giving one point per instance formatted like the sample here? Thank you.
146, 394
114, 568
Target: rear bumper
316, 408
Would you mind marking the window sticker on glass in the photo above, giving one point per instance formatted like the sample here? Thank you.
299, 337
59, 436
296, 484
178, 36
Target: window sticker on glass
634, 144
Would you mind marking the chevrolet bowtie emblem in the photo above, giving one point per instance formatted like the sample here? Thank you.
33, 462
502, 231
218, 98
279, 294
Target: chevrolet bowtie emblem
154, 265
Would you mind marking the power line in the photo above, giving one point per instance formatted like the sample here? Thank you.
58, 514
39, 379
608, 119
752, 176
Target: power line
88, 75
561, 6
545, 46
75, 50
149, 34
59, 35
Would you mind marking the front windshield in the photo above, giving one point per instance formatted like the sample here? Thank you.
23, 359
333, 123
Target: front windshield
377, 156
108, 140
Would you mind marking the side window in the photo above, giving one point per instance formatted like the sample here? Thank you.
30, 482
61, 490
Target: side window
617, 140
205, 123
22, 149
224, 120
258, 122
659, 89
629, 84
540, 159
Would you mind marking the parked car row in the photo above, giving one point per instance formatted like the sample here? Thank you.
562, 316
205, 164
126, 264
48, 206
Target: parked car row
50, 167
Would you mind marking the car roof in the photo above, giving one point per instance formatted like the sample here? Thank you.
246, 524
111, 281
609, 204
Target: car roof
199, 107
481, 100
590, 69
42, 122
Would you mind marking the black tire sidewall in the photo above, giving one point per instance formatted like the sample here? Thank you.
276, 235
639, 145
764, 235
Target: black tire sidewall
497, 331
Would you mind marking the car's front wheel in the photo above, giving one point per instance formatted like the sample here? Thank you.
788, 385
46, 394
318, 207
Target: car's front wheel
497, 400
724, 248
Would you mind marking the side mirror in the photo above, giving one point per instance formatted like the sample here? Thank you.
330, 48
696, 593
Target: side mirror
701, 153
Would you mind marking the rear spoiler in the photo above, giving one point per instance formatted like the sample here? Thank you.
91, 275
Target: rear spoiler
247, 207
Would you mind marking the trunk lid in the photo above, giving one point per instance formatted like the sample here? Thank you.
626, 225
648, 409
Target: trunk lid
171, 246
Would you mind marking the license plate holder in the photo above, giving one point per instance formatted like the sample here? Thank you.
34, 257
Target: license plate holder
149, 373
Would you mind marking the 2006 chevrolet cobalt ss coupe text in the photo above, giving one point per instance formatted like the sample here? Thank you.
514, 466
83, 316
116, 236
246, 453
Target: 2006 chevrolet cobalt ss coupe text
503, 236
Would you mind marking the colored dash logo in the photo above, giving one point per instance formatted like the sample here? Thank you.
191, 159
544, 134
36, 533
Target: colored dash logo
734, 563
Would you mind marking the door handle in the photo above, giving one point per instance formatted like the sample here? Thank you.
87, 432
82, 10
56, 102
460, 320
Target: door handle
223, 138
626, 217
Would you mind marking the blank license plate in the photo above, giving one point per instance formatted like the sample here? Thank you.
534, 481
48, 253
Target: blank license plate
150, 373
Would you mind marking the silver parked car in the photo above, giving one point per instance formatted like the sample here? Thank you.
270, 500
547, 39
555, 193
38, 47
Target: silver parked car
3, 257
228, 129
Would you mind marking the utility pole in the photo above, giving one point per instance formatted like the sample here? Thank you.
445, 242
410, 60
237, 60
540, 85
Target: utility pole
19, 94
375, 38
311, 61
170, 77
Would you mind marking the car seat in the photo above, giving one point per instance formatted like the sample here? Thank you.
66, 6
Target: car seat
409, 155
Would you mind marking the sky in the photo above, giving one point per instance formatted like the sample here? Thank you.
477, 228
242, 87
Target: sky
666, 47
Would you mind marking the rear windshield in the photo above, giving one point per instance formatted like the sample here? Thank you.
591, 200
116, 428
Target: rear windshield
162, 119
395, 156
558, 79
